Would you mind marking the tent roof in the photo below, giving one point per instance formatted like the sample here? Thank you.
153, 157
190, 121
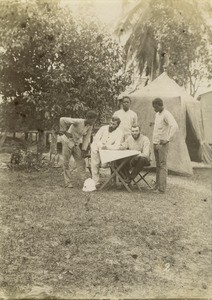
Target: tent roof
163, 86
206, 91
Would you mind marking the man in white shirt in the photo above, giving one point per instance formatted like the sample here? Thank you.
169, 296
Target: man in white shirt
164, 130
75, 132
108, 137
128, 117
136, 141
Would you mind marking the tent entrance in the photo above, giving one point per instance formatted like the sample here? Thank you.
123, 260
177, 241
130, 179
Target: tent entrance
192, 142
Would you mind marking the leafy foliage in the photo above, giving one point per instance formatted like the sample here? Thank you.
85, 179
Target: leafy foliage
53, 65
169, 33
26, 160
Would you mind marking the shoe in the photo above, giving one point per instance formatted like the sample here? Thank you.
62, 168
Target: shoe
154, 188
158, 192
98, 185
69, 185
127, 180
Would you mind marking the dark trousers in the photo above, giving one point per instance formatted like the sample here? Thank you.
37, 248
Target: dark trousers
133, 167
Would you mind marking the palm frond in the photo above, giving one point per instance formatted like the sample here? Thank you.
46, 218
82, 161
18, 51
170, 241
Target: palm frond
149, 20
130, 18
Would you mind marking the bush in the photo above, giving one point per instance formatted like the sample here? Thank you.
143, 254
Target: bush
26, 160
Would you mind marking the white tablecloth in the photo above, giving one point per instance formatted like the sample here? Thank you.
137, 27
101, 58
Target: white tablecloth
112, 155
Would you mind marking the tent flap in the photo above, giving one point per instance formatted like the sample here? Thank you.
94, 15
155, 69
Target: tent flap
194, 113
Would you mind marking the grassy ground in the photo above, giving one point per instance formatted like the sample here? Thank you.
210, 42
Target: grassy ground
60, 243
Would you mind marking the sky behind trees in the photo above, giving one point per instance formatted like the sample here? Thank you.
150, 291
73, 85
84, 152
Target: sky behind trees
106, 10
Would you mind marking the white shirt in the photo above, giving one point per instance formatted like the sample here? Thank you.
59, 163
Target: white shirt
128, 119
110, 139
142, 144
81, 133
165, 127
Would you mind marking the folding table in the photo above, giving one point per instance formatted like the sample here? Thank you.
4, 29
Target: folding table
111, 156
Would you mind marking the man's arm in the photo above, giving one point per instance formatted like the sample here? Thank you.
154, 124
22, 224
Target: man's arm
146, 148
65, 123
117, 142
87, 139
124, 145
98, 137
135, 119
170, 120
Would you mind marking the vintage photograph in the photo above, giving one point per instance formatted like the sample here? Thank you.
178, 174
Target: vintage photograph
105, 149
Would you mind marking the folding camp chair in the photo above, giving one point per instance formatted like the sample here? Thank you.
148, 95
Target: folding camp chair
141, 176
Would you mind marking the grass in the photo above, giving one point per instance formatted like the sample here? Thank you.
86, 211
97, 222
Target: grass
60, 243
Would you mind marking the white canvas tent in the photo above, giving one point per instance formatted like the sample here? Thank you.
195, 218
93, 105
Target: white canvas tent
189, 143
206, 108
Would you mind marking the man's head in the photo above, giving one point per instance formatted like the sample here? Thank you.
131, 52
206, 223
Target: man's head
90, 118
126, 101
135, 131
157, 104
114, 123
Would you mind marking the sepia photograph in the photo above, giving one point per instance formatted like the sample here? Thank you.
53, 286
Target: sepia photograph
105, 149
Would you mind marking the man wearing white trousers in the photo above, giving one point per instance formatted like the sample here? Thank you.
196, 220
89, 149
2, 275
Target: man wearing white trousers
108, 137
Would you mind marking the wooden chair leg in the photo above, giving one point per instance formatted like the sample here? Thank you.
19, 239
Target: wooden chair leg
142, 177
136, 184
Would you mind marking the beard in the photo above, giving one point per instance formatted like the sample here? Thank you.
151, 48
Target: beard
136, 136
111, 129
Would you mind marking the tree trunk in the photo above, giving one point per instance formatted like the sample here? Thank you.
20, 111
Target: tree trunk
40, 145
30, 138
53, 146
26, 136
3, 138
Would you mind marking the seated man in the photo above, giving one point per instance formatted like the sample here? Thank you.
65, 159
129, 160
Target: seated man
108, 137
139, 142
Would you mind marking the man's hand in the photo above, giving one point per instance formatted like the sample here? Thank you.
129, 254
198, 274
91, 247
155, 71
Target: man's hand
158, 146
68, 134
104, 147
163, 142
59, 132
83, 153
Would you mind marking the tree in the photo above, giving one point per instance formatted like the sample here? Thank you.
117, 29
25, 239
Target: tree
170, 33
53, 65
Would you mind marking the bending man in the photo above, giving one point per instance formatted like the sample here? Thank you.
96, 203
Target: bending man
75, 132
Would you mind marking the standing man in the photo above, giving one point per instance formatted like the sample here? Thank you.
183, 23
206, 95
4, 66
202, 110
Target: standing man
128, 117
108, 137
164, 130
136, 141
75, 132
